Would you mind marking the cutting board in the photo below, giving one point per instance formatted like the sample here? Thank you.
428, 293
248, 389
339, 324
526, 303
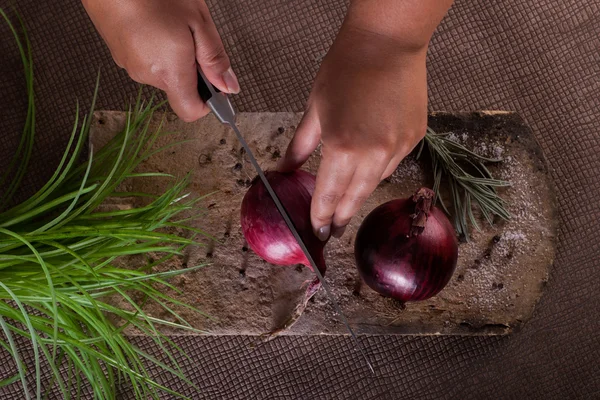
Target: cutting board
501, 273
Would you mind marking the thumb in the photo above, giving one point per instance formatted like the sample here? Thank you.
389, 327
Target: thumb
211, 54
305, 141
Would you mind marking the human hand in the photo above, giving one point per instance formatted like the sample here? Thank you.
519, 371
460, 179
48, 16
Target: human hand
368, 108
160, 43
368, 105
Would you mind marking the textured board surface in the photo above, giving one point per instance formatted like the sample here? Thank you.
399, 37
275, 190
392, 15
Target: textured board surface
501, 270
537, 57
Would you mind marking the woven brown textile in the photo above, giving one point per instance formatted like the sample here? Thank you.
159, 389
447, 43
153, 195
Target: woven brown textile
539, 58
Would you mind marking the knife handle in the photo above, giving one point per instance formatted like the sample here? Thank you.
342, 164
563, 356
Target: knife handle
204, 90
217, 101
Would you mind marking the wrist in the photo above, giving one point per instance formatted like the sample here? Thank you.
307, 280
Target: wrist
409, 23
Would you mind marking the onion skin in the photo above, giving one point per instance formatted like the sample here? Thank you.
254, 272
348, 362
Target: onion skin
406, 249
270, 238
264, 228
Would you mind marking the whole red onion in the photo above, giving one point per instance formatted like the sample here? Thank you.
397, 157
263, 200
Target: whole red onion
407, 249
267, 233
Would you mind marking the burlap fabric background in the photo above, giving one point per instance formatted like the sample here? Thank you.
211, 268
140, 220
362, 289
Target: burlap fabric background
538, 57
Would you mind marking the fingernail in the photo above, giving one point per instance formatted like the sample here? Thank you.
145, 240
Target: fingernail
338, 231
233, 86
323, 233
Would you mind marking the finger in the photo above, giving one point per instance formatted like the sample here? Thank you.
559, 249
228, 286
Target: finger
184, 98
396, 159
391, 167
211, 54
305, 141
333, 178
364, 182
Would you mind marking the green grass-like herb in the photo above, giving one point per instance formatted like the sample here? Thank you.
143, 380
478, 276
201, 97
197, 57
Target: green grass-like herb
58, 266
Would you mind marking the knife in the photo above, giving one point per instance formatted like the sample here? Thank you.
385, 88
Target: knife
221, 107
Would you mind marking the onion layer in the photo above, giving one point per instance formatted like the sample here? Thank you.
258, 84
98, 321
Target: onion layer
268, 235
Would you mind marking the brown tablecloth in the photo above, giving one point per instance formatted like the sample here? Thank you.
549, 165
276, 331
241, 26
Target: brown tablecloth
540, 58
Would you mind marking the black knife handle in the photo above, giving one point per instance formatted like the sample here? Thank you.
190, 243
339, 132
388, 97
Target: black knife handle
203, 89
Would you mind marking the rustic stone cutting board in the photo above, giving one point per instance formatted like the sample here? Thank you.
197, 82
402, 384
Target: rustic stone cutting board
501, 271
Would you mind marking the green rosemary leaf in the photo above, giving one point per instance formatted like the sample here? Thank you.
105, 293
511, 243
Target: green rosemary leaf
450, 161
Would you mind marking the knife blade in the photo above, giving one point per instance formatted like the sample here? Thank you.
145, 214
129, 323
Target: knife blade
222, 108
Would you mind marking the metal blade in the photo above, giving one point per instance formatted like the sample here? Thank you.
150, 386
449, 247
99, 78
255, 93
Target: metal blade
290, 225
222, 108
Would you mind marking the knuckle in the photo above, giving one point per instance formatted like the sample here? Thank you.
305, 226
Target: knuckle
163, 75
118, 59
339, 222
329, 198
321, 217
340, 150
151, 74
188, 115
382, 151
357, 200
135, 76
344, 221
416, 130
185, 117
422, 130
342, 216
350, 206
203, 15
215, 56
166, 70
382, 143
388, 173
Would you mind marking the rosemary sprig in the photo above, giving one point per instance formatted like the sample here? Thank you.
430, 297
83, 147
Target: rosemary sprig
469, 181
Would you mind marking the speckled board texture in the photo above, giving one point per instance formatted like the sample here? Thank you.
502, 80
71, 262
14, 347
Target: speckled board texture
501, 272
538, 58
